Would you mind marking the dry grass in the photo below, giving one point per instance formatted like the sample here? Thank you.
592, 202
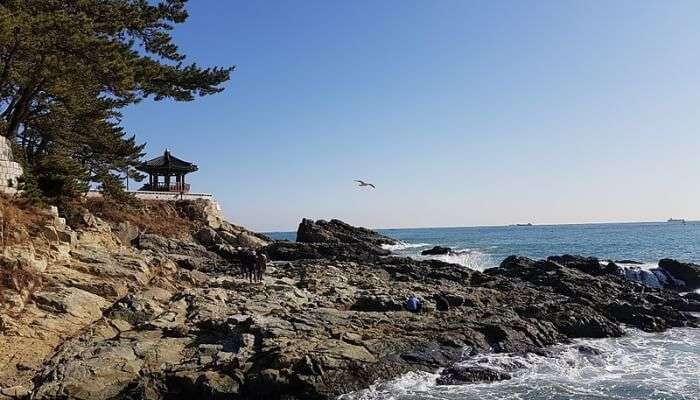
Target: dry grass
14, 279
19, 219
157, 217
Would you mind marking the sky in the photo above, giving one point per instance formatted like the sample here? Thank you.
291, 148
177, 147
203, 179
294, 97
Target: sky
462, 113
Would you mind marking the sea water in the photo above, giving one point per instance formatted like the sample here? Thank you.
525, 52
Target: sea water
637, 366
484, 247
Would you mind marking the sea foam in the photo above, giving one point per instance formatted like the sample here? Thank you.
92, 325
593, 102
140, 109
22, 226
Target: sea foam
637, 366
470, 258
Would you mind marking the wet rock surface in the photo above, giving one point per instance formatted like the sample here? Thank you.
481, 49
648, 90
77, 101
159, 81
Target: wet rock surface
687, 272
436, 250
458, 375
173, 319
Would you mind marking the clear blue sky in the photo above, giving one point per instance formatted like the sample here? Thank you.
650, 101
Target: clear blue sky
461, 112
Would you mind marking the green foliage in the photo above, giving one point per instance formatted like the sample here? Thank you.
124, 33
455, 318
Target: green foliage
66, 69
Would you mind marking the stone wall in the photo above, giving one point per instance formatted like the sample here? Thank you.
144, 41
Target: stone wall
10, 171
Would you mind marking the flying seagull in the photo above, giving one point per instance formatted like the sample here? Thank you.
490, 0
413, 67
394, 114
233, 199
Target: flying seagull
363, 183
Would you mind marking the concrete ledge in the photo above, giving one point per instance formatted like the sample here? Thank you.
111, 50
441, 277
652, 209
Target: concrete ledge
166, 196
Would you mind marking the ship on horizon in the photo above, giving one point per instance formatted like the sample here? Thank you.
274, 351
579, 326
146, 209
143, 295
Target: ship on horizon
676, 220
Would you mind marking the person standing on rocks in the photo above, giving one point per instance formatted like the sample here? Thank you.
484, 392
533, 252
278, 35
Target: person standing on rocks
252, 260
248, 260
260, 266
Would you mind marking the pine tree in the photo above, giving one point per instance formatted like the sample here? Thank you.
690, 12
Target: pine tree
66, 69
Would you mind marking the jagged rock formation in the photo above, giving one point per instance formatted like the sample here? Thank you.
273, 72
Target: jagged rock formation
332, 239
436, 251
170, 318
686, 272
337, 231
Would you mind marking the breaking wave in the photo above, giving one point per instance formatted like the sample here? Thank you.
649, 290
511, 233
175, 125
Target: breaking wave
470, 258
638, 366
650, 275
404, 246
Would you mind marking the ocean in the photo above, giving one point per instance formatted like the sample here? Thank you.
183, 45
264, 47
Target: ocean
637, 366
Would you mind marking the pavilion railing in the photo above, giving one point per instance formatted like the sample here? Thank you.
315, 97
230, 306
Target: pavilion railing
163, 187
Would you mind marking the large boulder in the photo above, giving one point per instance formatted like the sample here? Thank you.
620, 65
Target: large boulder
376, 303
460, 375
589, 265
337, 231
687, 272
338, 240
436, 251
200, 210
208, 237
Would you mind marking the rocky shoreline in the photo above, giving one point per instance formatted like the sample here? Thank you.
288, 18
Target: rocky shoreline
127, 314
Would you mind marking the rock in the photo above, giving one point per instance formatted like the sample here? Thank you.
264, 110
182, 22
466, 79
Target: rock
119, 322
126, 232
336, 231
208, 237
77, 303
203, 385
247, 239
49, 232
589, 265
217, 385
654, 277
470, 374
588, 350
687, 272
229, 238
437, 250
68, 236
206, 211
692, 296
291, 251
369, 302
580, 321
16, 392
434, 355
89, 220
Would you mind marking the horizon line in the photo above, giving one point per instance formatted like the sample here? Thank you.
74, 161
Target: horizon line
503, 225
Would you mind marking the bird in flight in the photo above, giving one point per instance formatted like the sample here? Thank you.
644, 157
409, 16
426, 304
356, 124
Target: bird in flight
363, 183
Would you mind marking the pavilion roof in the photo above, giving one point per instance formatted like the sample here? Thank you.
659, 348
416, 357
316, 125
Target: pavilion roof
165, 164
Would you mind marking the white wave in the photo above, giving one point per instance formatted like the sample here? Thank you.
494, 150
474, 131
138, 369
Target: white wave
472, 259
637, 366
469, 258
644, 265
650, 275
404, 246
406, 385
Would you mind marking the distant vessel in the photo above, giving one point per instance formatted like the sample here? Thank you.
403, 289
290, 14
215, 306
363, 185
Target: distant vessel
528, 224
680, 221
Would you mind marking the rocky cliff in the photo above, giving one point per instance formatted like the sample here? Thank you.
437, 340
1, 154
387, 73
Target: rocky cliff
158, 317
